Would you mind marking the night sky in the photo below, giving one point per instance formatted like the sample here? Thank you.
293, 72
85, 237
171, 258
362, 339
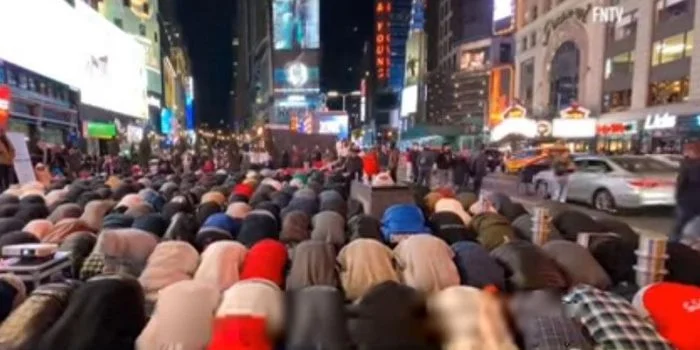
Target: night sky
207, 26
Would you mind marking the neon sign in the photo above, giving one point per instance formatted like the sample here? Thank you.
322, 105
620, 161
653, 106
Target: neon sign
382, 39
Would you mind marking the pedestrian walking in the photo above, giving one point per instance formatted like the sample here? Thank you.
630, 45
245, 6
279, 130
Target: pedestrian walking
445, 161
426, 163
394, 157
562, 167
478, 168
7, 160
687, 189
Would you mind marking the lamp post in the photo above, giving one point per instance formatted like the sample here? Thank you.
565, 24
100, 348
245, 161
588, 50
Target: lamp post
335, 94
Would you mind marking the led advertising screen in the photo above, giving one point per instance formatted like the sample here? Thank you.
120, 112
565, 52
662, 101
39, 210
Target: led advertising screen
473, 60
166, 121
415, 57
409, 100
503, 16
113, 69
296, 24
333, 123
40, 35
500, 94
296, 74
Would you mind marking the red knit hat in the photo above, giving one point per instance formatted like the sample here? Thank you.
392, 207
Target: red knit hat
244, 190
267, 260
239, 333
675, 310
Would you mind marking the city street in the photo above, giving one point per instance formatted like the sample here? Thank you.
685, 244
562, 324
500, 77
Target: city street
657, 221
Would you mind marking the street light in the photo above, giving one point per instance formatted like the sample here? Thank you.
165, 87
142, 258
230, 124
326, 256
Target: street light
334, 94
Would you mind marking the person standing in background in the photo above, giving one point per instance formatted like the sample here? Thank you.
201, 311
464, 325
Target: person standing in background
460, 170
394, 158
383, 156
562, 167
444, 164
478, 168
370, 164
426, 162
687, 189
7, 160
413, 154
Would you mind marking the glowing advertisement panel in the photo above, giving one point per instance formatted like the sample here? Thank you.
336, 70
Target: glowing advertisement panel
333, 123
113, 69
503, 16
574, 128
409, 100
40, 35
296, 24
297, 74
166, 121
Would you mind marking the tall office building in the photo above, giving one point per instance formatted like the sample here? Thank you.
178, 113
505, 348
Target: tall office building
399, 27
178, 96
255, 77
140, 19
463, 50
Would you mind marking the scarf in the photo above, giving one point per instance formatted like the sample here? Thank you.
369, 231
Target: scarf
221, 264
365, 263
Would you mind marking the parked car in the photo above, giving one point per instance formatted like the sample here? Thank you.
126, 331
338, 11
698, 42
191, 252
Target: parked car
616, 182
671, 159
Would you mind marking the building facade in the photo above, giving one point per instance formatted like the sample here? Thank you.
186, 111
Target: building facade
255, 76
461, 51
636, 76
140, 19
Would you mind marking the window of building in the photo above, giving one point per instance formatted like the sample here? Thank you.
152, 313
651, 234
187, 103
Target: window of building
622, 63
668, 9
665, 92
146, 8
672, 48
626, 27
155, 37
118, 22
523, 43
533, 38
617, 101
534, 13
126, 3
142, 29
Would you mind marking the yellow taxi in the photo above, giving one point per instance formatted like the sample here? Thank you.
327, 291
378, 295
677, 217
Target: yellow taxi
518, 160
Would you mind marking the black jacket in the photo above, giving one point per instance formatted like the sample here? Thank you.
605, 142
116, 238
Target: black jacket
445, 160
688, 184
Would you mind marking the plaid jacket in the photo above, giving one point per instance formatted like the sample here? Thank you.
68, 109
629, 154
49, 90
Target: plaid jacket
612, 322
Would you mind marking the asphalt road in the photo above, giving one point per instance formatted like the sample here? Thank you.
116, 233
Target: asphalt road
655, 221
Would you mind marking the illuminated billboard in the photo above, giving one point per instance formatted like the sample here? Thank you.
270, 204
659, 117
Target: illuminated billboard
473, 60
112, 67
382, 39
500, 93
296, 74
47, 44
332, 123
503, 16
409, 100
296, 24
415, 57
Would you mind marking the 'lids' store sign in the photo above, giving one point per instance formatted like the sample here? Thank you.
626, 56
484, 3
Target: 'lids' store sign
660, 121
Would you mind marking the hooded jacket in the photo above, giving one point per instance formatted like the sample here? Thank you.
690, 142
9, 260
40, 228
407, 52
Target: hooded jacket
266, 260
363, 264
425, 263
391, 316
318, 320
313, 264
106, 313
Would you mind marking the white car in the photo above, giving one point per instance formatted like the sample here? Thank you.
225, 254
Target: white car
616, 182
671, 159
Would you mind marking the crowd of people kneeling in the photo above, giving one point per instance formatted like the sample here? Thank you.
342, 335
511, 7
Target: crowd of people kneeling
274, 259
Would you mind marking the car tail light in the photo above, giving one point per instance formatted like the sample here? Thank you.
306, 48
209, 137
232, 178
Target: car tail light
649, 183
